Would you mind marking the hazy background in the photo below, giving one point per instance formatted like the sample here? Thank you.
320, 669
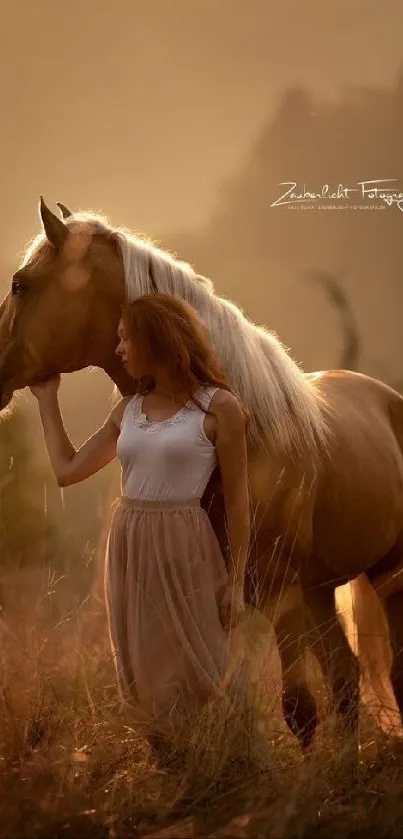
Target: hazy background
180, 118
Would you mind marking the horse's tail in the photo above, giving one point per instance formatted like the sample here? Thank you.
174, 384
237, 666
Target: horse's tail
370, 641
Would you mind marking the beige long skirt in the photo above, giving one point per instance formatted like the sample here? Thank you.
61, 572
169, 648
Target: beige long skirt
164, 578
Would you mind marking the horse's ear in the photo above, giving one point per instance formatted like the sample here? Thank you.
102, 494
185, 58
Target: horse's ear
66, 213
56, 231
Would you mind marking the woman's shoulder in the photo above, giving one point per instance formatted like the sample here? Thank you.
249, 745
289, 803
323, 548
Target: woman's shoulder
219, 396
227, 409
117, 413
219, 402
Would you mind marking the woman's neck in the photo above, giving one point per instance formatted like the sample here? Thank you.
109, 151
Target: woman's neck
167, 389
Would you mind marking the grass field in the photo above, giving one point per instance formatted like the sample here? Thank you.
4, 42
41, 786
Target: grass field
71, 763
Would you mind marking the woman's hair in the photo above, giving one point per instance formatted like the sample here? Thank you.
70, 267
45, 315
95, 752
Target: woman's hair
169, 331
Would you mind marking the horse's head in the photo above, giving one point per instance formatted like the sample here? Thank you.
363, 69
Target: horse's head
62, 311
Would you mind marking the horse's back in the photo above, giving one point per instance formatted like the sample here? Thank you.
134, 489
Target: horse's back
359, 511
360, 409
338, 384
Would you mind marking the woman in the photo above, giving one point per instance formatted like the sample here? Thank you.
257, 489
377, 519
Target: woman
170, 600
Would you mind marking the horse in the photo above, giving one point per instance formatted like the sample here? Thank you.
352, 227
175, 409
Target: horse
325, 449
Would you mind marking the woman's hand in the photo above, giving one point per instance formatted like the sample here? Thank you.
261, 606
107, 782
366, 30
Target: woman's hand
232, 606
49, 387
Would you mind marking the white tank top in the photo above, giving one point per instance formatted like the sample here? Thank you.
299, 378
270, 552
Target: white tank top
171, 459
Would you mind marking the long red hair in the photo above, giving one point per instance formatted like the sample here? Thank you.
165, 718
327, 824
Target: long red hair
169, 331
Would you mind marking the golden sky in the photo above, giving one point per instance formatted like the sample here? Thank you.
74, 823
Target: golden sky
145, 109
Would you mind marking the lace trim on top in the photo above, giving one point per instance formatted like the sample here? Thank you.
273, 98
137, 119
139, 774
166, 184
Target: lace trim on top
156, 425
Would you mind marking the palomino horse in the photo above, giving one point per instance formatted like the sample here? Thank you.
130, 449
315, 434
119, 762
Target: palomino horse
325, 449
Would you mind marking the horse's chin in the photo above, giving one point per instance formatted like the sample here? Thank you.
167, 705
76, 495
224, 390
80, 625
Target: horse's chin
20, 384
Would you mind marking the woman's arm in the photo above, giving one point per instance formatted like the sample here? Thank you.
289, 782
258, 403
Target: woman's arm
230, 442
71, 466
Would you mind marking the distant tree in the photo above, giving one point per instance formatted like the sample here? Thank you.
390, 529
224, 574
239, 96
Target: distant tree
338, 299
350, 357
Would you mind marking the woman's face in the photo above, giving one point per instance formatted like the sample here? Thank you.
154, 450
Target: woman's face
126, 349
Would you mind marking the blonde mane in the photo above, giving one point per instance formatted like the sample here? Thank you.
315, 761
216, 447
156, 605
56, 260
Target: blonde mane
287, 411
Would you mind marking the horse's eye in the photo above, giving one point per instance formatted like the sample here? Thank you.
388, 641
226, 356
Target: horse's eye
17, 287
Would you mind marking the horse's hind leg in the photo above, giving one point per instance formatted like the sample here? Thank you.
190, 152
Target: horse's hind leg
387, 579
298, 704
333, 652
393, 606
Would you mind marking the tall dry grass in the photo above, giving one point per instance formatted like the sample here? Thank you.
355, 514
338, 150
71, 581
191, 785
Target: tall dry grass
72, 763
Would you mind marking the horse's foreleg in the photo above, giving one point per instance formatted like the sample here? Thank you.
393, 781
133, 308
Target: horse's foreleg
298, 704
333, 652
288, 617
